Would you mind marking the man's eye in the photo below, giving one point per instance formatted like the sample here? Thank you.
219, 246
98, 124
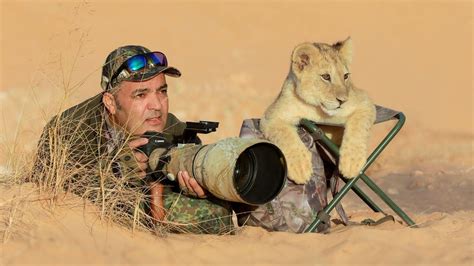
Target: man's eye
326, 77
140, 95
346, 76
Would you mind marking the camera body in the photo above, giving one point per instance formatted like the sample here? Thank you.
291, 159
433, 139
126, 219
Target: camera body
163, 141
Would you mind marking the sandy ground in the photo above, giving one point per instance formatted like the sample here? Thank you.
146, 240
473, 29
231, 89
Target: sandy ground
414, 56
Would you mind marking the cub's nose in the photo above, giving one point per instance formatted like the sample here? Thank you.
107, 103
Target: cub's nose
341, 101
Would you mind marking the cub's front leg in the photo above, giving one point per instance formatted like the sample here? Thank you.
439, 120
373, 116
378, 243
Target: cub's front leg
298, 157
355, 142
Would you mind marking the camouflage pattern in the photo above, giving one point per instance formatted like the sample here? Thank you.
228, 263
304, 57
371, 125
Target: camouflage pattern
297, 205
198, 216
117, 57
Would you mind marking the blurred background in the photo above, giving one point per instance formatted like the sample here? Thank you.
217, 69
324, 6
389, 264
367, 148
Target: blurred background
414, 56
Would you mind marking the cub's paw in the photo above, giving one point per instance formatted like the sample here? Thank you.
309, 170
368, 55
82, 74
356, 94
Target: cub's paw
351, 162
299, 162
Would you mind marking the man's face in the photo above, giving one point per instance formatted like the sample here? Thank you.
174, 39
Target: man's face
140, 106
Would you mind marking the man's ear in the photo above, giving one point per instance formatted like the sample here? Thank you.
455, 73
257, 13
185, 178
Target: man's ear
345, 49
109, 101
303, 57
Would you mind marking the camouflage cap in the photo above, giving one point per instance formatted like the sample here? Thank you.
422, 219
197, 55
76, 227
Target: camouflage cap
117, 57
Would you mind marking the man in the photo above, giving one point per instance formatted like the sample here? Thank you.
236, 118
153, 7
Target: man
91, 148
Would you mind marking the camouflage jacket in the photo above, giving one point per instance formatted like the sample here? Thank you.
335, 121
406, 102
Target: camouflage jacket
297, 205
80, 151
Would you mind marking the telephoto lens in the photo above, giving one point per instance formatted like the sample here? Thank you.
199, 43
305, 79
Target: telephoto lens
252, 171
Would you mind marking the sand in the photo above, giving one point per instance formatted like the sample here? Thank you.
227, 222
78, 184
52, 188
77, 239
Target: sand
413, 56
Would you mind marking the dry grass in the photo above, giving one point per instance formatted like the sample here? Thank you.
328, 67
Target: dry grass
12, 221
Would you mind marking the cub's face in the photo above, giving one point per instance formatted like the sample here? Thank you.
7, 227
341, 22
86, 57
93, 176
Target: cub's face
322, 74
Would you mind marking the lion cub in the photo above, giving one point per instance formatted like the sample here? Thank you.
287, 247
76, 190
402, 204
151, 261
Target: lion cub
319, 88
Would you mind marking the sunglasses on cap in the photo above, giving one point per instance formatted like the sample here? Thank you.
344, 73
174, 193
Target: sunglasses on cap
136, 63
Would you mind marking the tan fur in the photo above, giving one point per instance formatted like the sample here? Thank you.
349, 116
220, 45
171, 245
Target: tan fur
305, 94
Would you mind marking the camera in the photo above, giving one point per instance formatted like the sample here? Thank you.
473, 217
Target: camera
252, 171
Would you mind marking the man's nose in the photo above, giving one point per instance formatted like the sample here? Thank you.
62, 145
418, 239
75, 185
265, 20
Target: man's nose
154, 102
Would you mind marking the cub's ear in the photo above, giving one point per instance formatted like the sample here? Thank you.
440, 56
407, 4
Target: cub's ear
345, 49
303, 57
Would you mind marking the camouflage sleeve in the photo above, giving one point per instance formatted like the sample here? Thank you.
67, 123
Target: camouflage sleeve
194, 215
52, 155
42, 158
107, 180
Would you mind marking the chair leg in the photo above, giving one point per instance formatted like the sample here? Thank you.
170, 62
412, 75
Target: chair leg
366, 199
350, 185
319, 135
377, 190
312, 227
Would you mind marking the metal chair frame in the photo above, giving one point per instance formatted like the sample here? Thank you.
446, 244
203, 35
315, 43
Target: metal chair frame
319, 136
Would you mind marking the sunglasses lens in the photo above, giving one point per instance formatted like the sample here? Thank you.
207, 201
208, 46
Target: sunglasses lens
159, 59
136, 63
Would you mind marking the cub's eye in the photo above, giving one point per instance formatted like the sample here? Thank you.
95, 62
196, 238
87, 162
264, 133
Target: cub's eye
346, 76
326, 77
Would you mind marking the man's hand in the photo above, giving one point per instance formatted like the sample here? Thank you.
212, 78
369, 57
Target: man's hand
190, 186
140, 157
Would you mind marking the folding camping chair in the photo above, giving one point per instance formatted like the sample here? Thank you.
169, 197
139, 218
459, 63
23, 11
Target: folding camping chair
383, 114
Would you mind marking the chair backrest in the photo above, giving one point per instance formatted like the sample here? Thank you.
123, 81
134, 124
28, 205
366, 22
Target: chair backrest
384, 114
